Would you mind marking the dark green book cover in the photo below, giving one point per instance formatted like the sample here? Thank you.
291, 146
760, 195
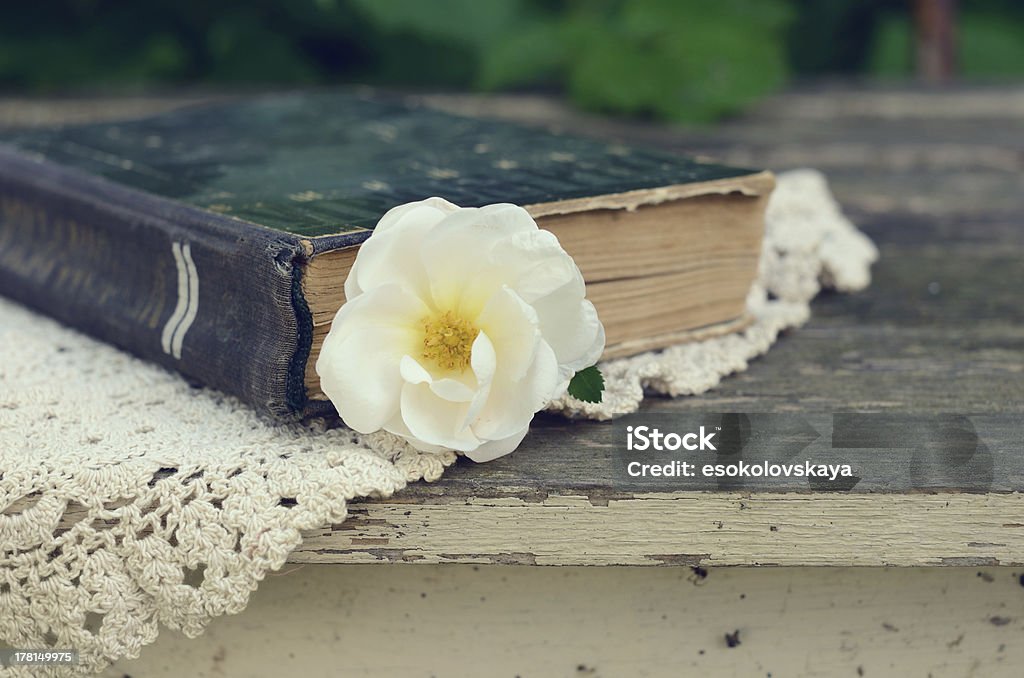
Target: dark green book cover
183, 237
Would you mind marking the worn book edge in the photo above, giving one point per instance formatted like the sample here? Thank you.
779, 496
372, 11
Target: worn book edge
758, 183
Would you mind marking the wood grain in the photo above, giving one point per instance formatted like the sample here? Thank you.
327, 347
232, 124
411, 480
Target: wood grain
937, 180
696, 529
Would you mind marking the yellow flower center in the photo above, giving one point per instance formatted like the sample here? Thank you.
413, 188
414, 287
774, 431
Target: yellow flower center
448, 341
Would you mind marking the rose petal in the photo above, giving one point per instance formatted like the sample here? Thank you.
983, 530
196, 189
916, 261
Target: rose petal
458, 248
511, 404
512, 326
534, 264
483, 359
484, 362
359, 362
453, 390
436, 421
388, 305
391, 254
530, 262
360, 376
593, 353
576, 333
398, 427
393, 217
493, 449
569, 323
413, 372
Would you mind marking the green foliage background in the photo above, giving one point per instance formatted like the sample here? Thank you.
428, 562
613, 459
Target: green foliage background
684, 60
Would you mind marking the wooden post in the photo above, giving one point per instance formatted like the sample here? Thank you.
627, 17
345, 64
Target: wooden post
935, 39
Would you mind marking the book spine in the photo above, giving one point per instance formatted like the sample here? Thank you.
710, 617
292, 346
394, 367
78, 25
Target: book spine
218, 299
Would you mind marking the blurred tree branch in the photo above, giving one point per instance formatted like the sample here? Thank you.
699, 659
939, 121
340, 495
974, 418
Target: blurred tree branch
936, 49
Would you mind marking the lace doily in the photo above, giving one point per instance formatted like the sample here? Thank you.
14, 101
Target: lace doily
130, 498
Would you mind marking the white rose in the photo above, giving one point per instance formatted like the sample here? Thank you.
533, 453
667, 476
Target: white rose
460, 324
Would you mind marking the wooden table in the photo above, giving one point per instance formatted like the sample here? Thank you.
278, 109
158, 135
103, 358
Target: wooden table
935, 178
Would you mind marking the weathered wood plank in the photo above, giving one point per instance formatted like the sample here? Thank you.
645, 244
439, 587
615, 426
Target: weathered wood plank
724, 528
839, 367
959, 287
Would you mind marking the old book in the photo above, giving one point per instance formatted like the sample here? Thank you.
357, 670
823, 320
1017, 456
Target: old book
216, 239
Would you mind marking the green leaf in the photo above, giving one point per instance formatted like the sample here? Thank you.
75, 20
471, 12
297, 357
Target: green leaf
587, 385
